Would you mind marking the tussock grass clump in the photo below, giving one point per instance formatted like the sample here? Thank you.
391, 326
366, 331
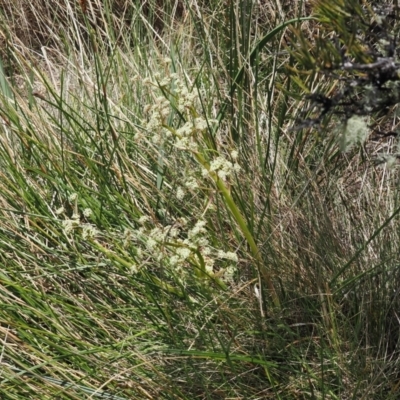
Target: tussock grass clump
178, 218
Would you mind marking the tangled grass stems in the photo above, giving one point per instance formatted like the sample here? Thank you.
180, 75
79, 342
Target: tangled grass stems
150, 170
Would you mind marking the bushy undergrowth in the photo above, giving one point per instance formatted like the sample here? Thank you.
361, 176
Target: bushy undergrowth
193, 205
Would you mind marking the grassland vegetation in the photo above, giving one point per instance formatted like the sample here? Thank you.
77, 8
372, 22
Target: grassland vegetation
198, 200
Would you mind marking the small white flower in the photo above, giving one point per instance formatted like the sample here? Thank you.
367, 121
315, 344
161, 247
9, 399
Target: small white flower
202, 241
174, 260
193, 146
222, 174
209, 263
182, 221
201, 224
166, 132
143, 219
156, 139
164, 112
87, 212
180, 194
134, 269
157, 234
229, 273
151, 243
206, 251
183, 253
201, 124
165, 81
221, 254
182, 143
72, 197
231, 256
127, 238
212, 207
88, 231
181, 107
234, 154
60, 211
173, 232
185, 130
192, 184
197, 229
68, 226
236, 167
217, 164
209, 269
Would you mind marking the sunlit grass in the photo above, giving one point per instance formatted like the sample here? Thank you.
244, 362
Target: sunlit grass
166, 231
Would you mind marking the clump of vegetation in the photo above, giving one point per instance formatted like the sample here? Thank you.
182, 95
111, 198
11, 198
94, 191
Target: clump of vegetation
188, 203
359, 51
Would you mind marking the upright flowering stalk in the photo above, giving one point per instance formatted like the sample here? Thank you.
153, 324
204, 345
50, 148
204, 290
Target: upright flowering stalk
234, 210
189, 138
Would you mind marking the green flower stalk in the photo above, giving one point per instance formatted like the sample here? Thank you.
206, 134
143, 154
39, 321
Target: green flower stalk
234, 210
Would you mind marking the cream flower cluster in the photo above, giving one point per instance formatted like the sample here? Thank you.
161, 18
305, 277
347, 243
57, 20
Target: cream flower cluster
173, 119
184, 248
74, 222
223, 167
176, 96
174, 122
189, 134
181, 247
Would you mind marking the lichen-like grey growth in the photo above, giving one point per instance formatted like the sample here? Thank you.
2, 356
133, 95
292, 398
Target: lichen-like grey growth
355, 132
